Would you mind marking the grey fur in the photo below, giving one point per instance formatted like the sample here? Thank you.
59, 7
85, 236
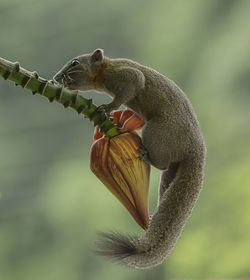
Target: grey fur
171, 137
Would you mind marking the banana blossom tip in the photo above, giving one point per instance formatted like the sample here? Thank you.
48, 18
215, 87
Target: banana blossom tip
115, 161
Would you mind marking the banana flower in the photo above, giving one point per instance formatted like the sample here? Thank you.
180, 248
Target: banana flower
115, 161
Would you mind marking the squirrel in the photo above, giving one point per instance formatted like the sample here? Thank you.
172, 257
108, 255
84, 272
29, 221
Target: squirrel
172, 141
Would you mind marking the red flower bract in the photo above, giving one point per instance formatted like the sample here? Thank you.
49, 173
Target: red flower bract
115, 161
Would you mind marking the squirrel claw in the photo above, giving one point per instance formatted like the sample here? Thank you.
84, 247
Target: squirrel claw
150, 219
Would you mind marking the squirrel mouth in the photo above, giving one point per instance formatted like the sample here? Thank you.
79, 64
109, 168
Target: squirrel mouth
67, 80
64, 79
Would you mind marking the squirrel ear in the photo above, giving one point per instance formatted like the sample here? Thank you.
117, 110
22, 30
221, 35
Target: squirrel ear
97, 56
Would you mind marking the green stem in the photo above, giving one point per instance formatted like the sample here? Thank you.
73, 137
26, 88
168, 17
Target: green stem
31, 81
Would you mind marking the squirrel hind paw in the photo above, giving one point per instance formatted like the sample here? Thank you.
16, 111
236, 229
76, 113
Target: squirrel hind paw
144, 154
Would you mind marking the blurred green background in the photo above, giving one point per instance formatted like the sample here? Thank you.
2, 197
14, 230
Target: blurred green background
51, 204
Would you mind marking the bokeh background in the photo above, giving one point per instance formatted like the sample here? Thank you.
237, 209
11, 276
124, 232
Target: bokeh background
51, 204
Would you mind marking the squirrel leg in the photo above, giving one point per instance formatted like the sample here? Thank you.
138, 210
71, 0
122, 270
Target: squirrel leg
144, 154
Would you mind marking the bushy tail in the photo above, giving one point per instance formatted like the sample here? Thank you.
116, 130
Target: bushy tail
116, 246
167, 222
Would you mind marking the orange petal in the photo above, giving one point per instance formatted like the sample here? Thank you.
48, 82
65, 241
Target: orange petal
116, 116
115, 162
97, 133
126, 114
133, 173
127, 120
133, 123
99, 154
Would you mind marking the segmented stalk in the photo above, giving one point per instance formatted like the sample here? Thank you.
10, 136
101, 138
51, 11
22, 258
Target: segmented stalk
33, 82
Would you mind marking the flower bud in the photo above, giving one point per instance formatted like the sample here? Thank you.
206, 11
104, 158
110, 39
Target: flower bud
115, 161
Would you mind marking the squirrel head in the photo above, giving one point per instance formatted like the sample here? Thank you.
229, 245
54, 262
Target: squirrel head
83, 72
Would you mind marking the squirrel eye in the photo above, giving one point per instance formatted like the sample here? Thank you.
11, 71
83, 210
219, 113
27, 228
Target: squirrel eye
75, 62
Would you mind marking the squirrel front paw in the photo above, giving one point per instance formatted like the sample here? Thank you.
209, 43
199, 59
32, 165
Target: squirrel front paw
105, 110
